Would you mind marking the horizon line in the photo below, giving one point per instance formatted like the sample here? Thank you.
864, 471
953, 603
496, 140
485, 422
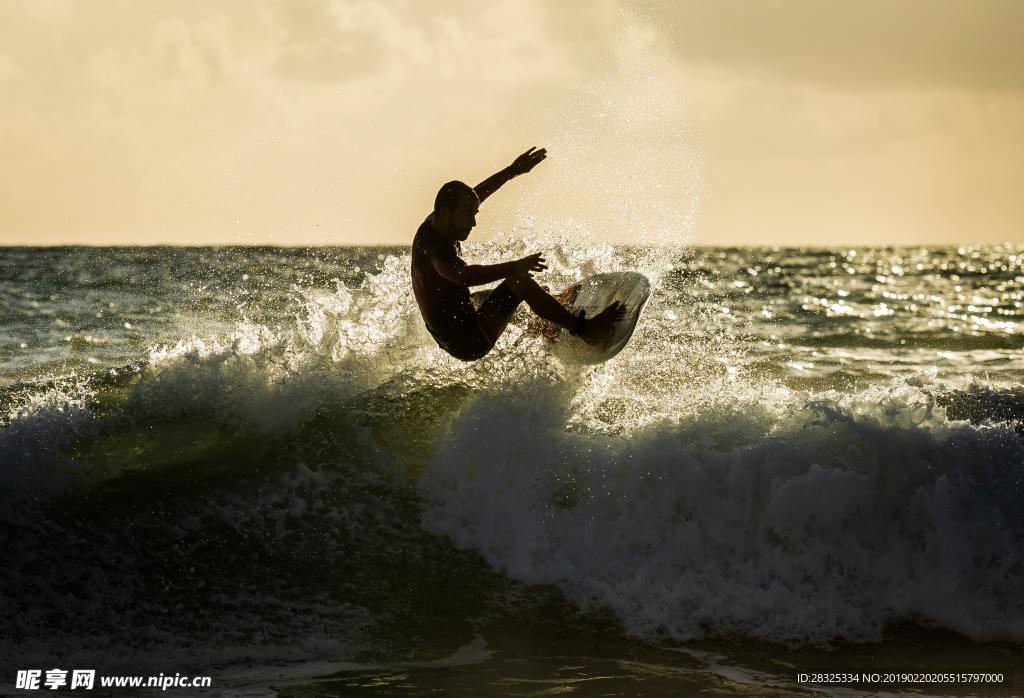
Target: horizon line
372, 245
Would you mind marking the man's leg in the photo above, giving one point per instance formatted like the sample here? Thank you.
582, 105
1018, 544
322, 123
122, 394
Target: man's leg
547, 306
540, 301
497, 309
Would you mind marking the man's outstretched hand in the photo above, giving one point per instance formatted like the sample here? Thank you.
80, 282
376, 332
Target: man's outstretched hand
530, 264
528, 160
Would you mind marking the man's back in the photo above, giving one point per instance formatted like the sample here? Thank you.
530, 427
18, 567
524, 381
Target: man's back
440, 300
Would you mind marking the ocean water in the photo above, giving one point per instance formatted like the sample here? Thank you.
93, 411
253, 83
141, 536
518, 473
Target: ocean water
253, 463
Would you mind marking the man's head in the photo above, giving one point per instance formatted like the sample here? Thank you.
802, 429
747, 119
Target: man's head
455, 209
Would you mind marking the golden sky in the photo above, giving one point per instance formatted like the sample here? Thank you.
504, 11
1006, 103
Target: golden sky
335, 121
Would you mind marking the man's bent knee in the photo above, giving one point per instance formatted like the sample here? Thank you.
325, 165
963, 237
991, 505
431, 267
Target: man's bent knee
521, 284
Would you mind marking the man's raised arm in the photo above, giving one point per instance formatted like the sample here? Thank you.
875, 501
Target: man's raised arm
522, 164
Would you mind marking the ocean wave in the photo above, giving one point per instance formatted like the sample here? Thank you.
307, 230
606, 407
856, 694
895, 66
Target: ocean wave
324, 461
776, 517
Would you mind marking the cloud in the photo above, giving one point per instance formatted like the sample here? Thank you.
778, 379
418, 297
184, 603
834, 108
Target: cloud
868, 44
335, 120
328, 42
191, 120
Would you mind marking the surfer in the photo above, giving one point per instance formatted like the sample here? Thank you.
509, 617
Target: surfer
441, 279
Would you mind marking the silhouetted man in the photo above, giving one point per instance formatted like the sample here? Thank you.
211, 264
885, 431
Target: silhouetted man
441, 279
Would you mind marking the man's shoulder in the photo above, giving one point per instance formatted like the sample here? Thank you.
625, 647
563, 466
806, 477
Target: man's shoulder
428, 241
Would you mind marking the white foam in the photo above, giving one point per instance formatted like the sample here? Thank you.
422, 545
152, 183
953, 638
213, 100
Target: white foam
774, 516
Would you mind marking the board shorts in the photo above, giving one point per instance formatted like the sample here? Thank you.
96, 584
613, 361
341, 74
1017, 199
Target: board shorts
463, 335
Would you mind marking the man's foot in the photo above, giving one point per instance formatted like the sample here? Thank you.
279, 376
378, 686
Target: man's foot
599, 326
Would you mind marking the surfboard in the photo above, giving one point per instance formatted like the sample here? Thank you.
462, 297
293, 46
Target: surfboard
593, 294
